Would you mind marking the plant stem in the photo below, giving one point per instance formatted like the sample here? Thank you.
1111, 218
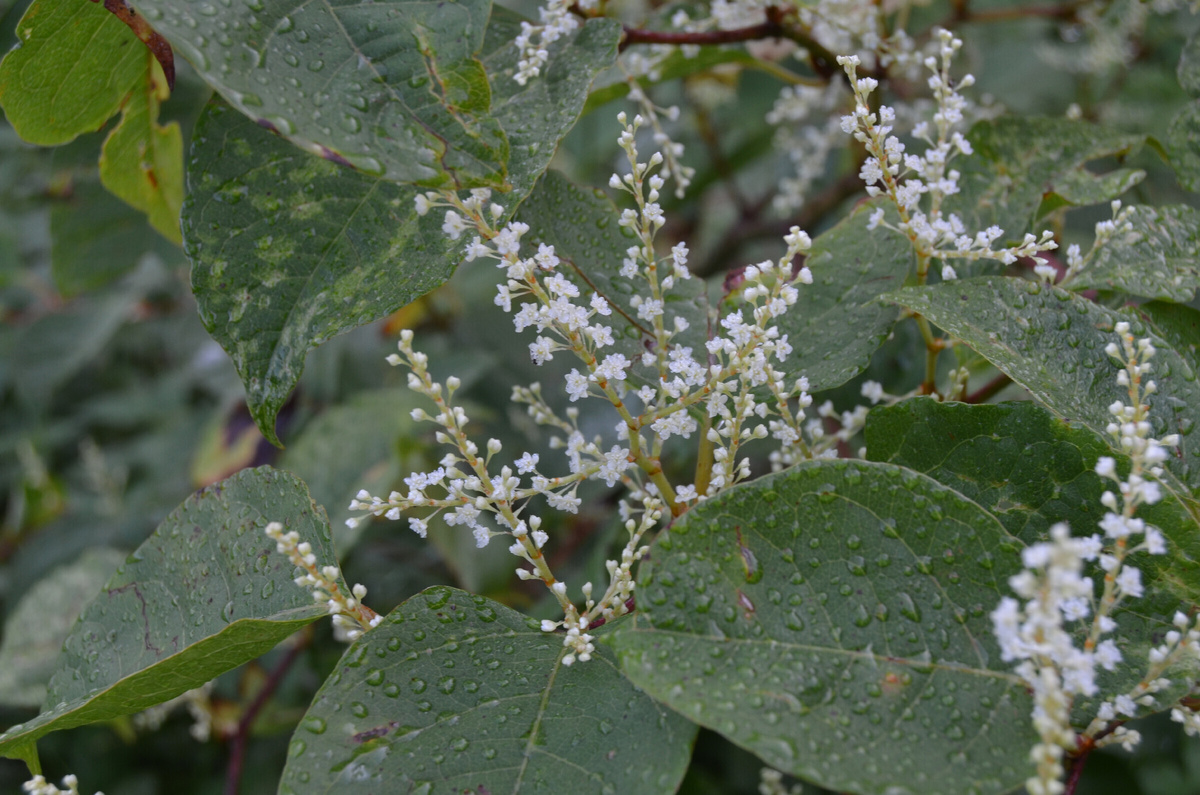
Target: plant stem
237, 743
988, 390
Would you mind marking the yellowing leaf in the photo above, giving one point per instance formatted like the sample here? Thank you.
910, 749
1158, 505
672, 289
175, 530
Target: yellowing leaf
142, 161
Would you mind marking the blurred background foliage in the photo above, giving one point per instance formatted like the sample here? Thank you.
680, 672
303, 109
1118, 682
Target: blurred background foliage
115, 404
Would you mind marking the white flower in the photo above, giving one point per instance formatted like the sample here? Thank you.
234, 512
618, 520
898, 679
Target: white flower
612, 368
577, 385
613, 465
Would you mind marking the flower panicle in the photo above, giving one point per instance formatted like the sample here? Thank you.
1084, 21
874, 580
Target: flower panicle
907, 179
1057, 601
735, 384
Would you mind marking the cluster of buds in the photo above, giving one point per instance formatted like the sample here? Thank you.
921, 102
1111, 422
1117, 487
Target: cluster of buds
351, 618
1058, 593
1106, 231
906, 179
556, 21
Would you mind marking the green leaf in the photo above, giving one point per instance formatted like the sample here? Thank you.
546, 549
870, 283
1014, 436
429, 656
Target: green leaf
837, 323
1183, 144
94, 240
39, 623
1030, 470
1160, 258
1052, 342
1020, 162
289, 250
1189, 66
1177, 324
204, 594
582, 226
833, 619
142, 161
354, 446
57, 346
73, 68
392, 88
457, 693
536, 116
677, 65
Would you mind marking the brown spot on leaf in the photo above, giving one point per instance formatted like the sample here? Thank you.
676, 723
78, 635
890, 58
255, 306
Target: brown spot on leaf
378, 731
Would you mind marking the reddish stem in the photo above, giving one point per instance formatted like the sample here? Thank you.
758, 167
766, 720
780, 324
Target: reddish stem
237, 743
988, 390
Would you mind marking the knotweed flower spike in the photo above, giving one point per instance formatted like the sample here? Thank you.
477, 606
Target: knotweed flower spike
917, 185
730, 390
1060, 631
350, 616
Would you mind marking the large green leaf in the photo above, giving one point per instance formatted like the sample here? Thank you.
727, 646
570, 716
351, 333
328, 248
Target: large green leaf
837, 323
457, 693
1160, 258
833, 619
1183, 145
73, 69
205, 593
1052, 342
290, 250
1189, 66
1019, 163
39, 623
1027, 468
391, 88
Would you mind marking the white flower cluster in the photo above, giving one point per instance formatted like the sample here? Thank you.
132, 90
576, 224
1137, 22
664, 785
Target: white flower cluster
199, 706
556, 21
39, 786
1057, 592
771, 783
731, 392
672, 151
1103, 35
907, 178
351, 618
1119, 225
808, 134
